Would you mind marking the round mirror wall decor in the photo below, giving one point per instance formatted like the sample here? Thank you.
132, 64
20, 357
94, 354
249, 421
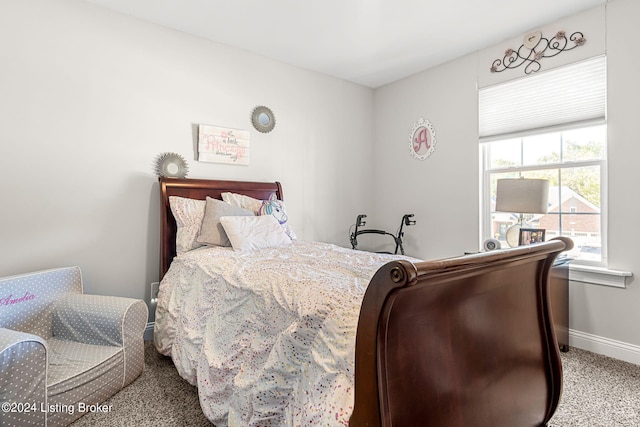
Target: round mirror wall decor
171, 165
422, 141
262, 119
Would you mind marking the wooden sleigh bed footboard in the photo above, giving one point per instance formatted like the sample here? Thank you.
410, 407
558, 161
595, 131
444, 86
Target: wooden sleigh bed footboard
460, 342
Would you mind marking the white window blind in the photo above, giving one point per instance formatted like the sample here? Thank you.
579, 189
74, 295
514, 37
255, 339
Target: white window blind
567, 95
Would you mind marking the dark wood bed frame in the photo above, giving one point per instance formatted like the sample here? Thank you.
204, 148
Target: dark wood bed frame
458, 342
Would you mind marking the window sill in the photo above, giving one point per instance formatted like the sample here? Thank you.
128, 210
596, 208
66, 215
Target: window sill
598, 275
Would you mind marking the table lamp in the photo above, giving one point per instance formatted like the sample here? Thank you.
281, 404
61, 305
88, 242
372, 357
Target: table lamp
521, 196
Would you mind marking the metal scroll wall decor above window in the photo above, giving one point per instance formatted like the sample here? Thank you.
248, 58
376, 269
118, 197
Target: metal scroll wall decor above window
534, 48
422, 140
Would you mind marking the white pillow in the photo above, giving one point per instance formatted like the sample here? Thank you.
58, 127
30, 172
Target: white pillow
188, 214
273, 206
248, 233
242, 201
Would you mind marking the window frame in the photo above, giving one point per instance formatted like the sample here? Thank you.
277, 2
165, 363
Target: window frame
486, 173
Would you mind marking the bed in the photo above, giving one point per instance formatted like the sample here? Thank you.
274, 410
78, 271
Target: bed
310, 333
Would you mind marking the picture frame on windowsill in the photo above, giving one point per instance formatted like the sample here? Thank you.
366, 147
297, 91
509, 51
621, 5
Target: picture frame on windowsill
531, 235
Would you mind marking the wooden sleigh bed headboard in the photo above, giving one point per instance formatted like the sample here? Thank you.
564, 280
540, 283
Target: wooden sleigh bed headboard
200, 189
460, 342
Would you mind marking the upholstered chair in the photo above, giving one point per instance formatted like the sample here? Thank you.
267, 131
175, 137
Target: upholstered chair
62, 352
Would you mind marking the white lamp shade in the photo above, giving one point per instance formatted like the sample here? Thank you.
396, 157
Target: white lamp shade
521, 195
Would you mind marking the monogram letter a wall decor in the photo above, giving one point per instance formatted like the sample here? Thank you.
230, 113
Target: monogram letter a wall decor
422, 141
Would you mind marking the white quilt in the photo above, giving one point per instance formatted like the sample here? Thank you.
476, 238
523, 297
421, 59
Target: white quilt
267, 336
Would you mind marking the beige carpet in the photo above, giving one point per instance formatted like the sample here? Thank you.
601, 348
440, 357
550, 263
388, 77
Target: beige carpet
598, 392
159, 397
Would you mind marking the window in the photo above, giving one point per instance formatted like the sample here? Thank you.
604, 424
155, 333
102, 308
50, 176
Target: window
573, 161
568, 149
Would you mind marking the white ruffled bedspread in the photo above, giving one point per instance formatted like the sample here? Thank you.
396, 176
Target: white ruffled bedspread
267, 336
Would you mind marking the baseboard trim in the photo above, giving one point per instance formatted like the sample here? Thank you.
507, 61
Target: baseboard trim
148, 331
605, 346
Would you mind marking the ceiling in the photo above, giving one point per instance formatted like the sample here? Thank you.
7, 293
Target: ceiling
369, 42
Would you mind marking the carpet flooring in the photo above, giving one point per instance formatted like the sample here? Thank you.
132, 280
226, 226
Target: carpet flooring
598, 391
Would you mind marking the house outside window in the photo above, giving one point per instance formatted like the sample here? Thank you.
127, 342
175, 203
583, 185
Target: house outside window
550, 127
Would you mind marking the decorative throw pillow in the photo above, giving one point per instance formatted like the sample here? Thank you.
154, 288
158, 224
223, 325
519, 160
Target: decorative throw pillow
242, 201
188, 214
211, 230
273, 206
248, 233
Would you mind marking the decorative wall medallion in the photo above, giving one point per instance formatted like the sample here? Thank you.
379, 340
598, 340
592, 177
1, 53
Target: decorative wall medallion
262, 119
171, 165
422, 141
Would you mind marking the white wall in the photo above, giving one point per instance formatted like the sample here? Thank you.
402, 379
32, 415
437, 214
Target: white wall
609, 312
442, 190
89, 98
